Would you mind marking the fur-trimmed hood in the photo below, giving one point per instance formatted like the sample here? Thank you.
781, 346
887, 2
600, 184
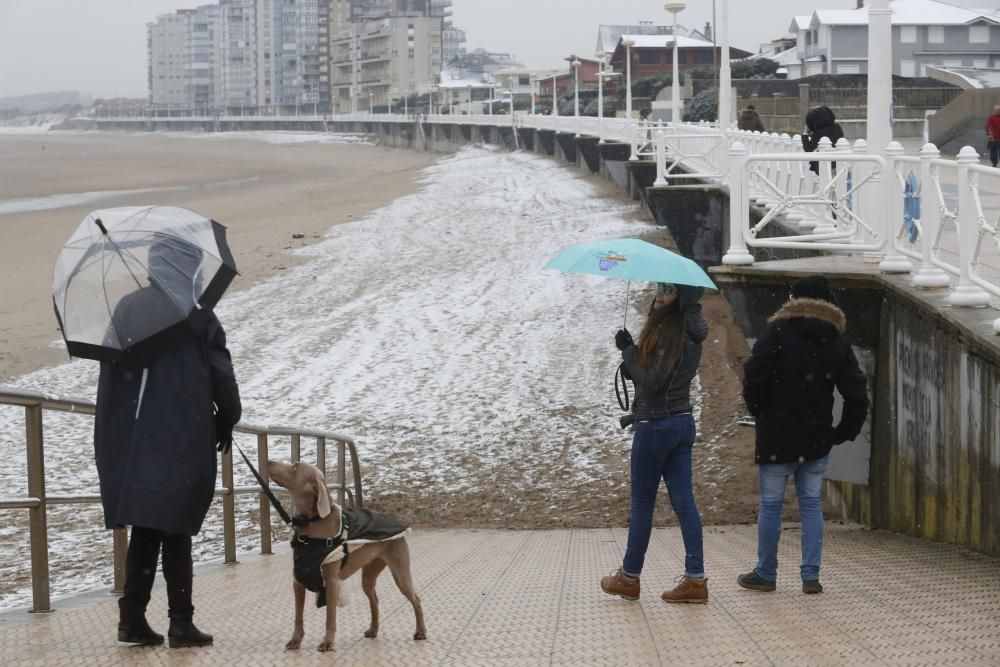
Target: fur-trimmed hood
812, 308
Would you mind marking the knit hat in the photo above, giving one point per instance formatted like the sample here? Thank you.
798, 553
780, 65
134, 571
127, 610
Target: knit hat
812, 287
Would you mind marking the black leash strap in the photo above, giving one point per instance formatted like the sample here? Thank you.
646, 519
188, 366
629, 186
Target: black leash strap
267, 490
621, 388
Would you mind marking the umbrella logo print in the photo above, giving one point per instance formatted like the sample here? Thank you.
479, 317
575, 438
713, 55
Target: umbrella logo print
609, 261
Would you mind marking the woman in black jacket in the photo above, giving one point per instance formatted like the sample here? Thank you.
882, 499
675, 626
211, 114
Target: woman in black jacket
788, 387
662, 366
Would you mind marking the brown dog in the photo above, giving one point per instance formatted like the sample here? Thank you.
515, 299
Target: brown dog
311, 498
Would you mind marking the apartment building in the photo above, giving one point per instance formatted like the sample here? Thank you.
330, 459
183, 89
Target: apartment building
166, 58
203, 49
383, 60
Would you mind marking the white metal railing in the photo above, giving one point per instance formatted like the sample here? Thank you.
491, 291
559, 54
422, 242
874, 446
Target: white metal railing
942, 215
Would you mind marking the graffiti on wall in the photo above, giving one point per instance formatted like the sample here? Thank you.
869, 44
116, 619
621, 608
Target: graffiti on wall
921, 380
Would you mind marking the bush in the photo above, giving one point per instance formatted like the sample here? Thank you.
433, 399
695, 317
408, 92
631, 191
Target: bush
757, 68
703, 106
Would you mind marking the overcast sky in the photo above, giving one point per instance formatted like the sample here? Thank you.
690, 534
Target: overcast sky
99, 46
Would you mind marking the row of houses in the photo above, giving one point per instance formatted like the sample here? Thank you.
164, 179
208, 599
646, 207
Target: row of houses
925, 33
279, 56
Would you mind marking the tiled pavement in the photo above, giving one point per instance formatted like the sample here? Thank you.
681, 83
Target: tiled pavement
532, 598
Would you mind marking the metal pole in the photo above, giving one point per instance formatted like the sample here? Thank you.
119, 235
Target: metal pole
725, 72
576, 88
600, 94
342, 474
296, 448
675, 80
229, 508
555, 100
321, 454
879, 76
263, 504
119, 552
628, 80
37, 520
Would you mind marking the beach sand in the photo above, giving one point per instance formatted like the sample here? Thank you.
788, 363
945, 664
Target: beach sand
264, 193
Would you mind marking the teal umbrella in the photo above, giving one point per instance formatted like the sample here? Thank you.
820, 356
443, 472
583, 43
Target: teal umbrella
631, 259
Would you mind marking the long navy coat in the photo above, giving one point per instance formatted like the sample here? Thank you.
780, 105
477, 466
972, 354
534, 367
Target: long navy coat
155, 432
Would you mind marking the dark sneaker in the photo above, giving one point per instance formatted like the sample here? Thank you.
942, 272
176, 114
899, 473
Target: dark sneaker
618, 584
688, 590
755, 582
811, 586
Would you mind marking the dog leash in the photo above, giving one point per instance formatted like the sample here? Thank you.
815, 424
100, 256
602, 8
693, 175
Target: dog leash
267, 490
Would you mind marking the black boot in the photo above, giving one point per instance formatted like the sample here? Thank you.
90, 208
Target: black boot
140, 571
137, 631
178, 570
183, 633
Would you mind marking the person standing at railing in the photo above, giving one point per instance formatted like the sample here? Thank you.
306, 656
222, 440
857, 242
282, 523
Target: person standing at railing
749, 120
993, 135
662, 366
788, 386
820, 122
159, 416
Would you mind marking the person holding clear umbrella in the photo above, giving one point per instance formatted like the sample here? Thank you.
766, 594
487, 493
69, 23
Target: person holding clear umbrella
662, 365
134, 288
154, 441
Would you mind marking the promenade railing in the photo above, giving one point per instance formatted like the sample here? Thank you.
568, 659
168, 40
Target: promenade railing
37, 500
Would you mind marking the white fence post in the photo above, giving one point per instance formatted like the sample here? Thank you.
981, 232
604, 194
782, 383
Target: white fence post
967, 293
661, 159
825, 224
929, 275
894, 261
739, 208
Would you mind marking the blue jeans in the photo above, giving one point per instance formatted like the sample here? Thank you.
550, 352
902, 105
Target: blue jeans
661, 449
808, 487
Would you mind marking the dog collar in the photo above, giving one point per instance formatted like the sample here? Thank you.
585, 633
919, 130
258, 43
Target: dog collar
303, 520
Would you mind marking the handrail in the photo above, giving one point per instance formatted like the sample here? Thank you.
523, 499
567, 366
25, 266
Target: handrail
37, 500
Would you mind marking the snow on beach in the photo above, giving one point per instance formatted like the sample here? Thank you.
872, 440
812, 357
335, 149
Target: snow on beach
428, 331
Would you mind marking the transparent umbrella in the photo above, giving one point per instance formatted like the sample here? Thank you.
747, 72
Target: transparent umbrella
129, 279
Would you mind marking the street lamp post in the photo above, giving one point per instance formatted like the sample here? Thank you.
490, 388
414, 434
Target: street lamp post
555, 100
675, 8
600, 89
725, 72
371, 103
531, 82
470, 99
629, 43
576, 86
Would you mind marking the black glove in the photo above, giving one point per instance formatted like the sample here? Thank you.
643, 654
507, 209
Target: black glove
223, 433
623, 340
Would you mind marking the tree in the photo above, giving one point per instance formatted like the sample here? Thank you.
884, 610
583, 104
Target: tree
703, 106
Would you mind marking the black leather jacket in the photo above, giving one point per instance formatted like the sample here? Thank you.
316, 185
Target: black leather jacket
661, 392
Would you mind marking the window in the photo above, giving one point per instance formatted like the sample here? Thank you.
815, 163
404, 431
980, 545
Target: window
981, 64
410, 54
979, 34
935, 34
649, 58
953, 62
848, 69
908, 34
523, 80
908, 68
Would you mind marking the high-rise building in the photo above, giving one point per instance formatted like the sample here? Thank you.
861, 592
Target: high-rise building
166, 58
239, 55
184, 59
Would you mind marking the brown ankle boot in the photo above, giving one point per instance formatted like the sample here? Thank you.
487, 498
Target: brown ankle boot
618, 584
688, 590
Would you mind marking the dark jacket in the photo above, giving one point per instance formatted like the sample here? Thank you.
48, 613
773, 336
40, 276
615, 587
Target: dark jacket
156, 457
662, 392
821, 122
790, 378
750, 120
